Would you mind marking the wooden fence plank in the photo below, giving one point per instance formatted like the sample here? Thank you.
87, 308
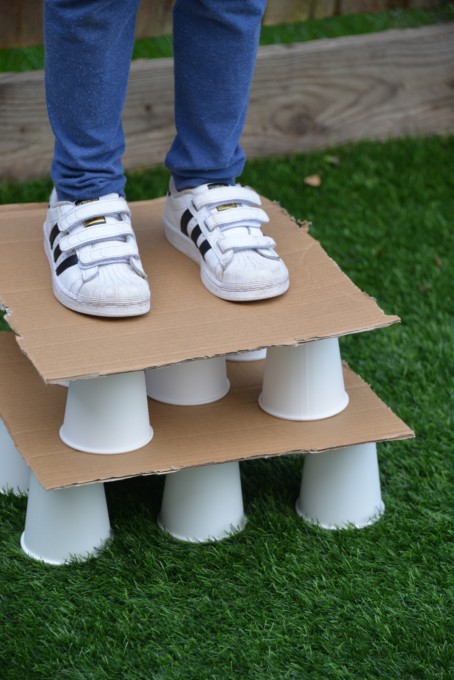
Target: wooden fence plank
324, 8
21, 20
360, 6
287, 11
9, 28
304, 96
154, 18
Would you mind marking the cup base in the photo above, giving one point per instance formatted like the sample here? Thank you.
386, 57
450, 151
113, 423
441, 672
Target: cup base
379, 510
316, 416
78, 447
234, 529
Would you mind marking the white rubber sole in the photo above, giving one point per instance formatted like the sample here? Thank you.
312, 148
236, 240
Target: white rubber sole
233, 293
93, 309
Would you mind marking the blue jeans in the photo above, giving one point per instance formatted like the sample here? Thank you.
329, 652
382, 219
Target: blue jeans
88, 53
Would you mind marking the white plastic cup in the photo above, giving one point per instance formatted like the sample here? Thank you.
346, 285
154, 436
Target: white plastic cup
64, 524
14, 472
252, 355
200, 381
341, 488
304, 382
203, 504
108, 414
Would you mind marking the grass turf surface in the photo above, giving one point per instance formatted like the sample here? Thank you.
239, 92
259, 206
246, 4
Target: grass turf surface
284, 599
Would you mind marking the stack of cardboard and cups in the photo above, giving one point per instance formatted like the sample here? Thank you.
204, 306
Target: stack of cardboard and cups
341, 488
304, 382
191, 383
108, 414
14, 472
252, 355
65, 524
203, 503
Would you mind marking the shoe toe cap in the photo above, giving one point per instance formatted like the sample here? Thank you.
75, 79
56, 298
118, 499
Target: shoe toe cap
122, 287
253, 269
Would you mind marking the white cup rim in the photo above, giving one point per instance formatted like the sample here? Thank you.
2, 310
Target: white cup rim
133, 446
341, 406
379, 511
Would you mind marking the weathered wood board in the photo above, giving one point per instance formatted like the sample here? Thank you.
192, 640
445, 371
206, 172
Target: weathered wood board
304, 96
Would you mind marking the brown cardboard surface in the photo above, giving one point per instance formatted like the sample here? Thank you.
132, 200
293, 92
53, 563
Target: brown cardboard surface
186, 321
233, 428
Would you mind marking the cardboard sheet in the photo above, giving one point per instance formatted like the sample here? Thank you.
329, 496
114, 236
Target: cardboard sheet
186, 321
233, 428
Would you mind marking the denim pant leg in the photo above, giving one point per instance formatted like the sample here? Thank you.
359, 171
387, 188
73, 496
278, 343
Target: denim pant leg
88, 53
215, 49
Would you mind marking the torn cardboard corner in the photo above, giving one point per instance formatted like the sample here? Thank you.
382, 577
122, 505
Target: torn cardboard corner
233, 428
186, 321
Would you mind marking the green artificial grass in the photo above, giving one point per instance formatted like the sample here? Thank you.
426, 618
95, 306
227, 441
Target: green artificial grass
284, 599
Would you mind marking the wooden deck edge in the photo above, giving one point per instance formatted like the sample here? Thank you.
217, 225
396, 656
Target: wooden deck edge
304, 96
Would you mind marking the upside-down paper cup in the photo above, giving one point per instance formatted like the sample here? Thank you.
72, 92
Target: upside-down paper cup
203, 504
304, 382
65, 524
14, 472
200, 381
108, 414
341, 488
252, 355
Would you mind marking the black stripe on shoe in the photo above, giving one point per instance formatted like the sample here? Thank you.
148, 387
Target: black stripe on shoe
53, 234
185, 219
195, 233
69, 262
204, 248
57, 252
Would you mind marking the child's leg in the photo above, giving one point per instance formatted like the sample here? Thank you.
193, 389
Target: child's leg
88, 237
88, 52
216, 225
215, 45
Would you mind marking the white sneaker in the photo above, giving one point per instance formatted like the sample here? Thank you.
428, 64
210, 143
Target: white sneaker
219, 226
93, 256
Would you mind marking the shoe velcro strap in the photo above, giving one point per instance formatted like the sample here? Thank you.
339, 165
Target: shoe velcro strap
235, 216
246, 243
87, 211
104, 253
227, 194
101, 232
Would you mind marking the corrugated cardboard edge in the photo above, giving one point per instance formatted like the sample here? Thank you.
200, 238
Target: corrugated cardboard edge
21, 378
